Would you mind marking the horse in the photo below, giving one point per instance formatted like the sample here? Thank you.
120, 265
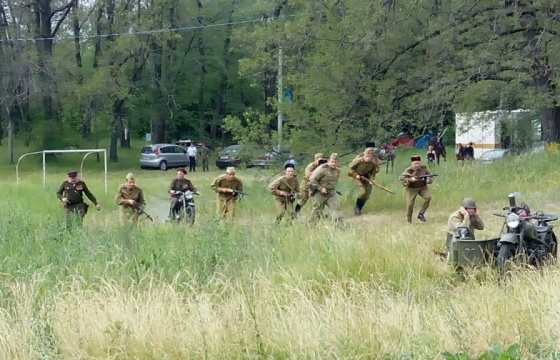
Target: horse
388, 154
437, 149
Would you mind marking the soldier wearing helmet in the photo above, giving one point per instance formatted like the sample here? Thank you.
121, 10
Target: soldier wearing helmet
466, 216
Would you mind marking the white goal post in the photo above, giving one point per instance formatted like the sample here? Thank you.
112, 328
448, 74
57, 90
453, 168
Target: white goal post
45, 152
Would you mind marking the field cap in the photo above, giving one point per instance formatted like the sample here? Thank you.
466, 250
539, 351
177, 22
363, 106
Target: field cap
230, 170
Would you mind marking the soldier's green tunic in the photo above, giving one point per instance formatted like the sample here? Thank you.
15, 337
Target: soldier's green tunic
226, 201
74, 194
127, 210
325, 177
283, 203
415, 188
304, 184
457, 220
367, 169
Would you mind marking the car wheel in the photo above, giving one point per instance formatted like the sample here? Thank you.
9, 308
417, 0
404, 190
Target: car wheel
163, 165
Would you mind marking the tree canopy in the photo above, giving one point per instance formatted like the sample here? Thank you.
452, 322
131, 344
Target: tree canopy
355, 71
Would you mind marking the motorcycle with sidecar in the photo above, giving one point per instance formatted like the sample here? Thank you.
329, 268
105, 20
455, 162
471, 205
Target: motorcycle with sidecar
523, 240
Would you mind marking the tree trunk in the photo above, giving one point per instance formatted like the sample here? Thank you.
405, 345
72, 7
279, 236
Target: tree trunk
159, 122
222, 86
114, 129
10, 139
542, 77
201, 72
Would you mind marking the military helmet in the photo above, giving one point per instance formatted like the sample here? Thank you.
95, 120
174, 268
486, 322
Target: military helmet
468, 203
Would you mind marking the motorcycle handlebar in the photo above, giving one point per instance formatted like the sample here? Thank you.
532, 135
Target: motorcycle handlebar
498, 214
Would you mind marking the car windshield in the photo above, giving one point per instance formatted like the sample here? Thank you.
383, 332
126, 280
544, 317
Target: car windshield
232, 149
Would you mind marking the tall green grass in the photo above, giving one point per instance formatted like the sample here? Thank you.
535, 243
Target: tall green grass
254, 289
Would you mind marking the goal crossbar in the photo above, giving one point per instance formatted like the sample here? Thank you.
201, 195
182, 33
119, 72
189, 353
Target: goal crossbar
45, 152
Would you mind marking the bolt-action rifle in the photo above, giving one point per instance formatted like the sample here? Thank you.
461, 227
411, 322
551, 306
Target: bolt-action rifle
363, 178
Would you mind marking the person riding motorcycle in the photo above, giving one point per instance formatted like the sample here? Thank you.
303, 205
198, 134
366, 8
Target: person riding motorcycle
180, 183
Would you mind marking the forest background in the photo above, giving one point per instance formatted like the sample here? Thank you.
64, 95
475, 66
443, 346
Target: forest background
75, 72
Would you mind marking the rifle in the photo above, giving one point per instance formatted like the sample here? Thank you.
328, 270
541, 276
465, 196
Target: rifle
138, 207
425, 177
237, 193
293, 193
363, 178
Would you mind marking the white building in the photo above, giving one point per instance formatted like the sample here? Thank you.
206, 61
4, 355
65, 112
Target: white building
486, 129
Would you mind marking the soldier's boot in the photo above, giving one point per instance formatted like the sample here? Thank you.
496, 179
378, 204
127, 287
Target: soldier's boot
297, 208
358, 207
421, 217
409, 219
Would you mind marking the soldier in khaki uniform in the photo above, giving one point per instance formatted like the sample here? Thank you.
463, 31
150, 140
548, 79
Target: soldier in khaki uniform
466, 216
228, 187
363, 168
322, 187
304, 184
204, 152
285, 190
129, 197
180, 183
415, 186
70, 193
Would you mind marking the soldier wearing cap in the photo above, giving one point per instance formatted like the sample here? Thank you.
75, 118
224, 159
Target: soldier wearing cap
130, 198
363, 169
322, 187
228, 187
180, 183
70, 193
304, 184
466, 216
204, 152
415, 186
285, 190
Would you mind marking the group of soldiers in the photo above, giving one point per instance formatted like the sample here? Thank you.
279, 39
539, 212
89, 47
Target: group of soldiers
319, 184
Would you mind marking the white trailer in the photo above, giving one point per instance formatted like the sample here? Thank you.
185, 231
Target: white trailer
485, 129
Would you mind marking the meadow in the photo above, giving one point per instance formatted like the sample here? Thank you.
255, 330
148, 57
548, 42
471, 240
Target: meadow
255, 289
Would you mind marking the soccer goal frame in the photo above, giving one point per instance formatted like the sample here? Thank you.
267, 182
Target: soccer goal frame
45, 152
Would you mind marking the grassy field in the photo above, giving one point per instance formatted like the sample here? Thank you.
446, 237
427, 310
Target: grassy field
253, 289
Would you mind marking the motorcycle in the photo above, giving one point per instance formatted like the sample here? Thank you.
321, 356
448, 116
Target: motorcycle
185, 209
521, 241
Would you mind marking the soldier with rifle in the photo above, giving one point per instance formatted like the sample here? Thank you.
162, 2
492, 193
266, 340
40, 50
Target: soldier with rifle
363, 169
304, 184
130, 198
285, 190
416, 179
70, 193
322, 187
229, 188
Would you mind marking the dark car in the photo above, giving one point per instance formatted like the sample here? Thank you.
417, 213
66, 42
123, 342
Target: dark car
229, 156
267, 159
163, 156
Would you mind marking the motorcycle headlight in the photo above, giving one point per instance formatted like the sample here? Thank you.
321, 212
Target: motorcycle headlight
188, 197
512, 221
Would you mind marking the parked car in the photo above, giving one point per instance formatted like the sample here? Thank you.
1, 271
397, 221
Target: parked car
275, 155
163, 156
229, 156
491, 155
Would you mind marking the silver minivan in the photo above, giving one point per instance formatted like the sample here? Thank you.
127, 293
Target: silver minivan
163, 156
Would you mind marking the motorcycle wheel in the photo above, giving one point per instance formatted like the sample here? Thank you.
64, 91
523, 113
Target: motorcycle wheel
507, 251
189, 215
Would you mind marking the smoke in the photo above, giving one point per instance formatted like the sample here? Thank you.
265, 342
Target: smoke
158, 208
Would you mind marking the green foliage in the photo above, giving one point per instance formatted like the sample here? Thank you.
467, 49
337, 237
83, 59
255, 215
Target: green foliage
494, 353
251, 129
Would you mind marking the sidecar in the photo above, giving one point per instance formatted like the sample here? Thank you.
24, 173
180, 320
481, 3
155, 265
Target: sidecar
465, 251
